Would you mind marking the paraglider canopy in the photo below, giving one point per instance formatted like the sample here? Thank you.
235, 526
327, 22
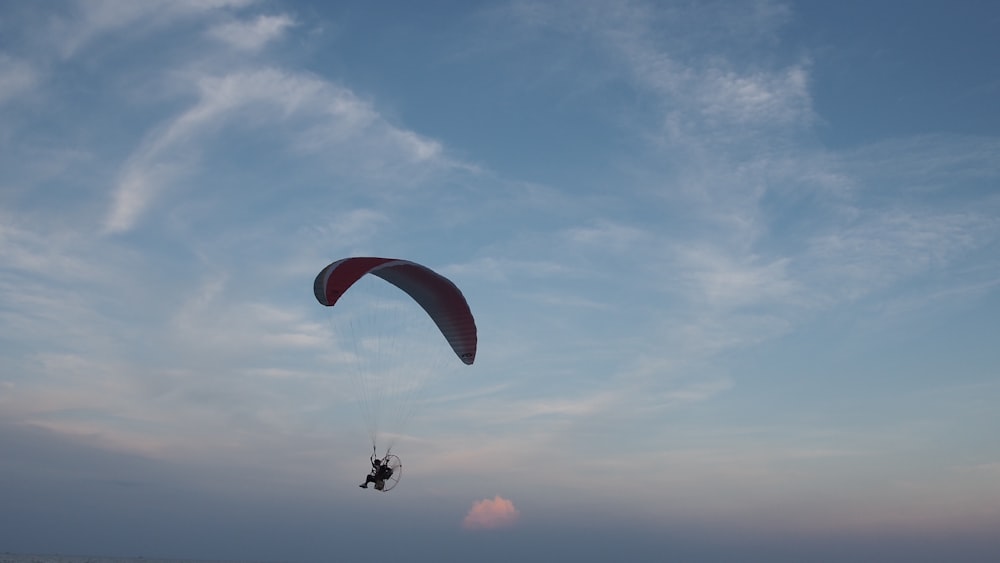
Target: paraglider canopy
436, 294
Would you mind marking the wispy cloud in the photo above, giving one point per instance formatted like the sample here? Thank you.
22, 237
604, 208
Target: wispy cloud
252, 35
726, 280
338, 121
893, 245
924, 163
699, 90
779, 98
508, 269
92, 20
208, 321
610, 236
17, 77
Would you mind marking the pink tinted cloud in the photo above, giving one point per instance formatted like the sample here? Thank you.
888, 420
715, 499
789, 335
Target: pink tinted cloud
489, 514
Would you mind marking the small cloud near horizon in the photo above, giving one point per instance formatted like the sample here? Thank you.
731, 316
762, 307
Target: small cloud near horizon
490, 514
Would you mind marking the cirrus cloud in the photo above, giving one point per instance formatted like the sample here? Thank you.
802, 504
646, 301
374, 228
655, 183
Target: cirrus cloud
252, 35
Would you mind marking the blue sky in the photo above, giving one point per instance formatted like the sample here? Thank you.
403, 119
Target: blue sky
734, 265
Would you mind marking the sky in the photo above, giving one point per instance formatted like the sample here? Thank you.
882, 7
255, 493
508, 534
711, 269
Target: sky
735, 267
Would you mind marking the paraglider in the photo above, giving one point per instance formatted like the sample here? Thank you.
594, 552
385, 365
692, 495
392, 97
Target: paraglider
426, 293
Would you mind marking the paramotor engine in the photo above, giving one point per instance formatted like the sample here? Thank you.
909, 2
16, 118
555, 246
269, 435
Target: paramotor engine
388, 484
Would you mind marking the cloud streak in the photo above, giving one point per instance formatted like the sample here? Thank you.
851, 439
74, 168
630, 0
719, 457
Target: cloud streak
338, 121
252, 35
91, 21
